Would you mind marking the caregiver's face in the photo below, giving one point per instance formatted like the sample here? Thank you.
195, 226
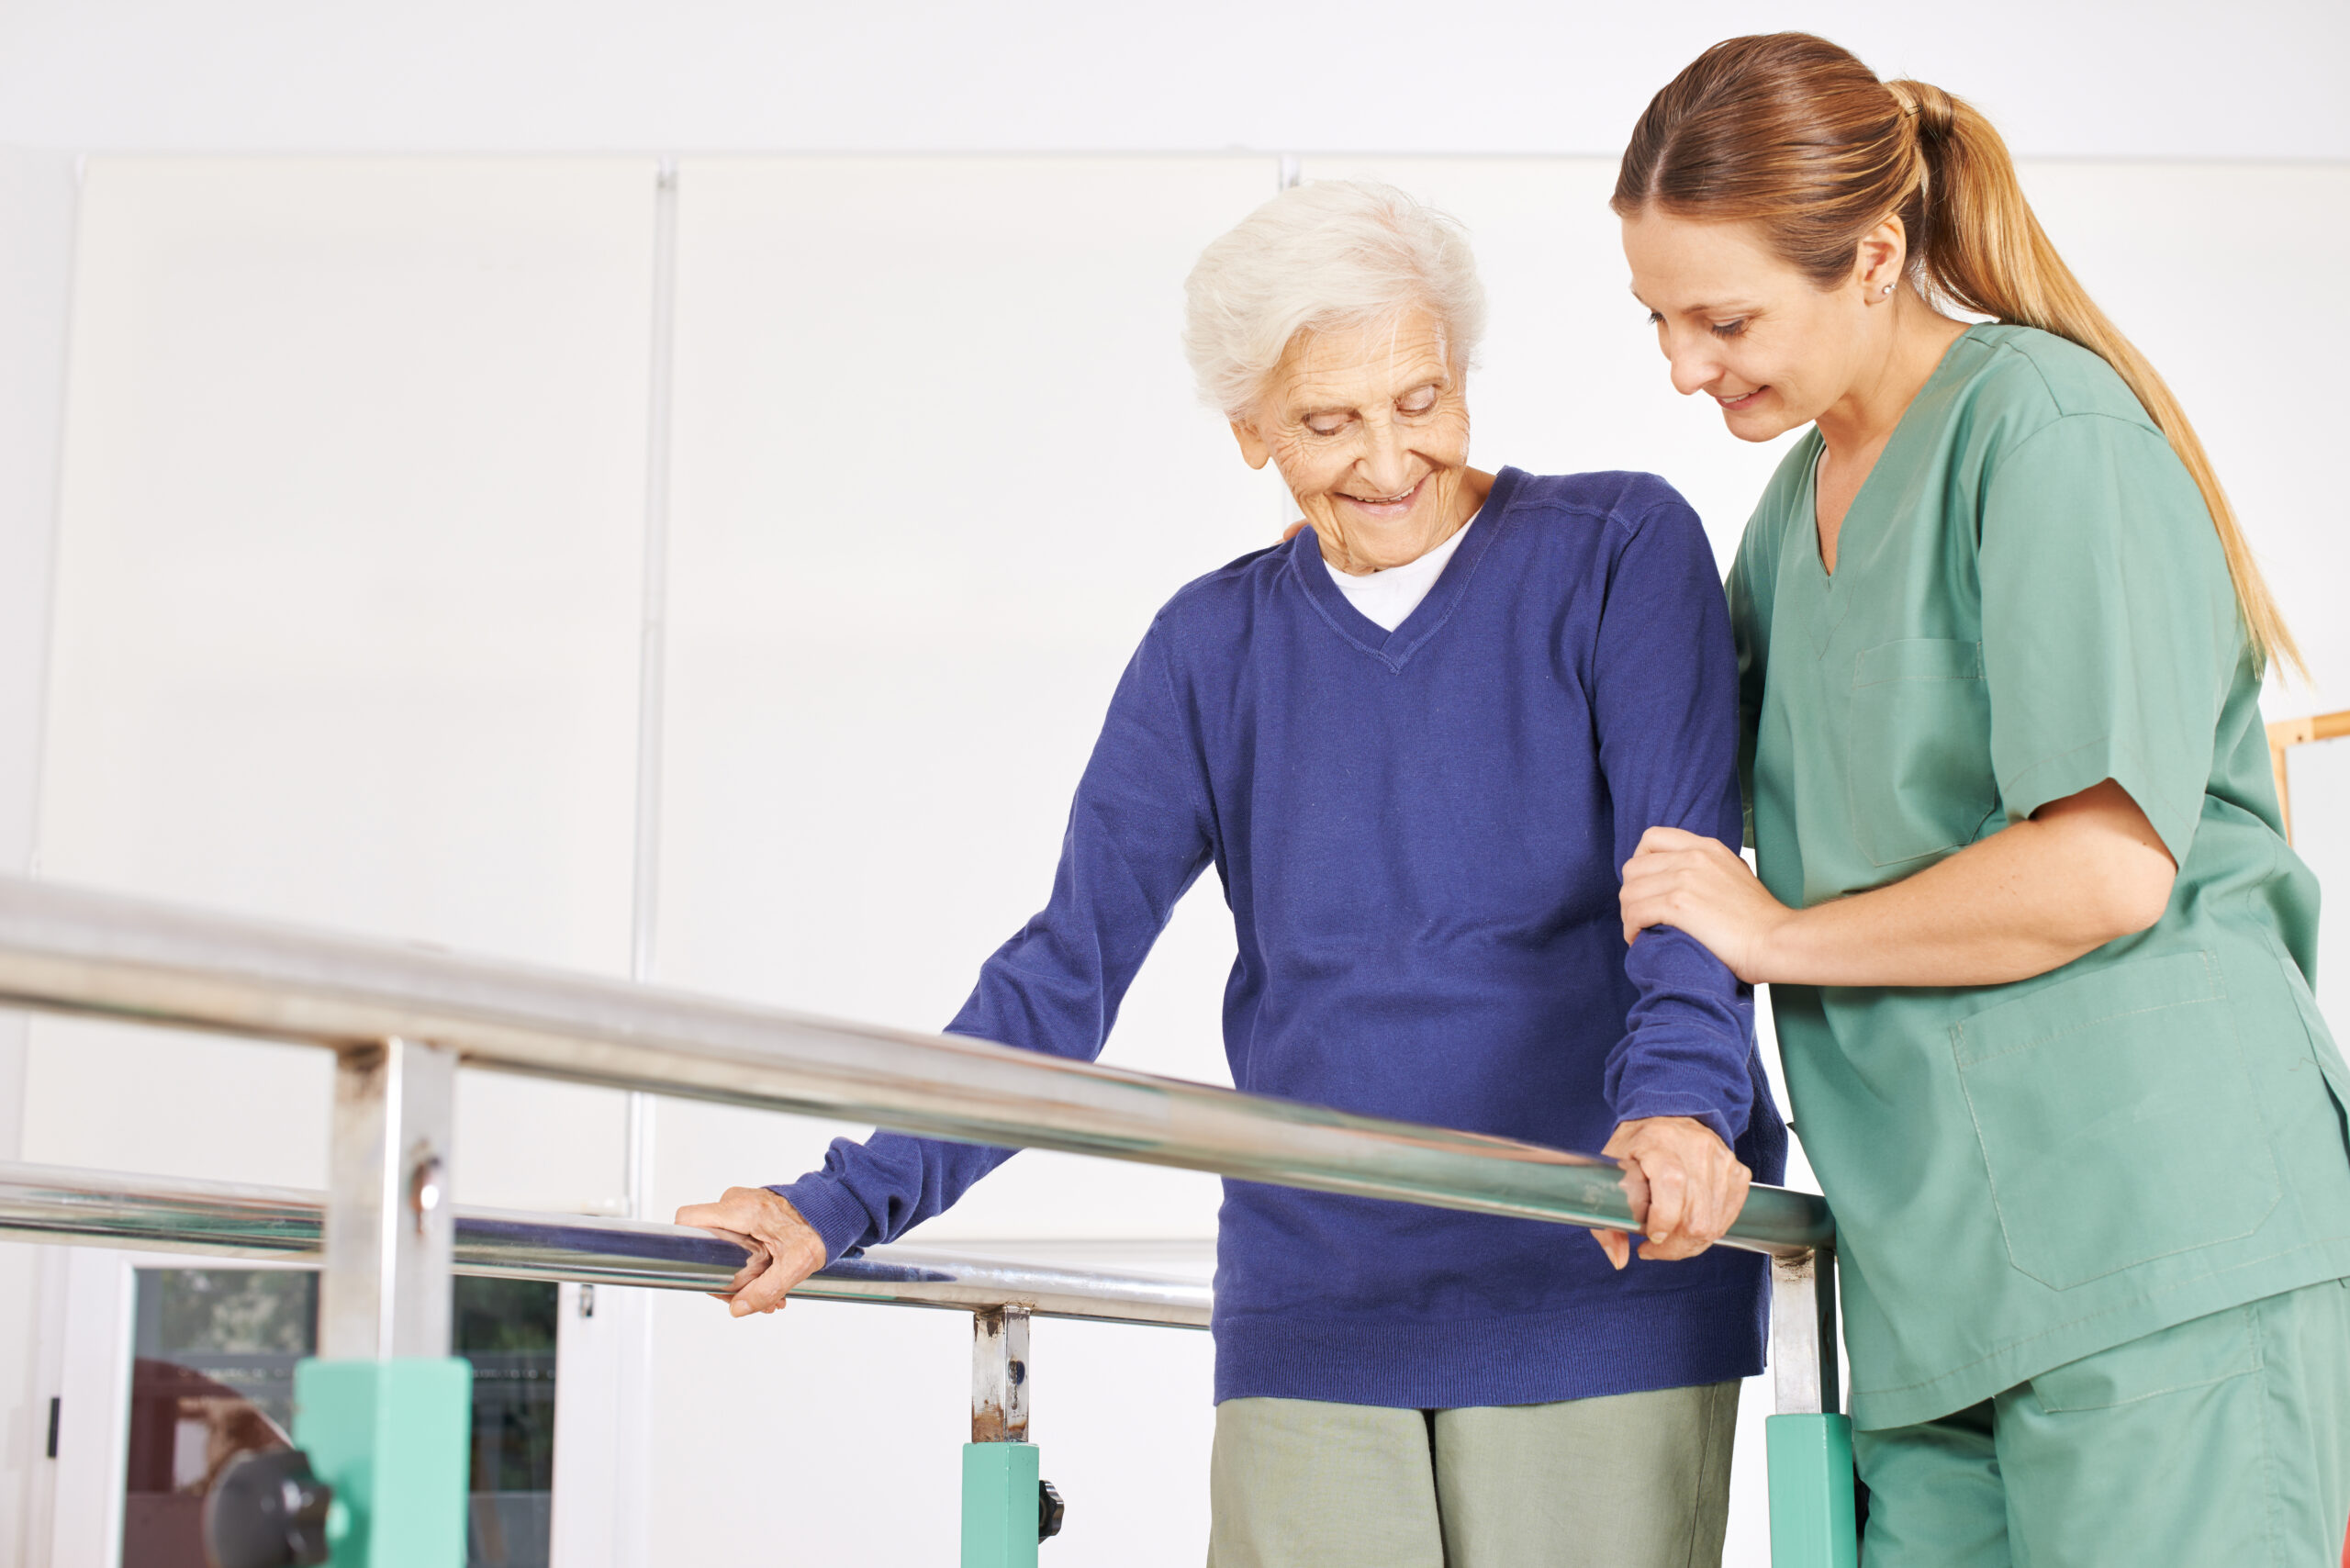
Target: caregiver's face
1741, 326
1370, 429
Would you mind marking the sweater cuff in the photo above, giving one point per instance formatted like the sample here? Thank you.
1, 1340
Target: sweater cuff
831, 1210
1638, 1107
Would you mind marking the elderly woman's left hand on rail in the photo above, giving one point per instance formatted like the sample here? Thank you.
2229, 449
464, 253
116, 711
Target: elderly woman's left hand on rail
1685, 1185
784, 1248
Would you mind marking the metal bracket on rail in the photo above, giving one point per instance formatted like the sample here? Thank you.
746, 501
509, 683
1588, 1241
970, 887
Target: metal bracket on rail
1808, 1441
1008, 1507
385, 1411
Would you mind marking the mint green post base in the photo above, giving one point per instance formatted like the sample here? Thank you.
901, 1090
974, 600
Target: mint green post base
1811, 1492
1000, 1505
390, 1438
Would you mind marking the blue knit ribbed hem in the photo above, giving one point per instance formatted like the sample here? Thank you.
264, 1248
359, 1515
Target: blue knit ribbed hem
829, 1209
1634, 1107
1625, 1344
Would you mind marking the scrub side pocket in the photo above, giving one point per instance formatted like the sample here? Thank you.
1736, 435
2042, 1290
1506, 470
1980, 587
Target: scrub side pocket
2194, 1354
2117, 1118
1919, 767
2322, 1049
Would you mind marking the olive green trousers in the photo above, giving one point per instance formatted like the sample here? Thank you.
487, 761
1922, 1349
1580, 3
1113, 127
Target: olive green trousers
2223, 1443
1622, 1481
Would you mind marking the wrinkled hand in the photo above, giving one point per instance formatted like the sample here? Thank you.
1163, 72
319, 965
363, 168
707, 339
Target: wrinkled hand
784, 1249
1699, 885
1685, 1185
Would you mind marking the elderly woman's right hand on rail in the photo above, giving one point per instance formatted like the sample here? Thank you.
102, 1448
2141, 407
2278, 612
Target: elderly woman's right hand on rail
1685, 1185
785, 1249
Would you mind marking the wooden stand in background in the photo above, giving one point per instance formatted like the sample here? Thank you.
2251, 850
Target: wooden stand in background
2286, 734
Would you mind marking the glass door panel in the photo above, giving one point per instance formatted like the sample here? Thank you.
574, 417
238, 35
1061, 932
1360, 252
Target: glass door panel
212, 1377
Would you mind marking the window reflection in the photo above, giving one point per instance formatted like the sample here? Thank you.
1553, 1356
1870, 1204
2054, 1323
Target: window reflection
506, 1328
212, 1377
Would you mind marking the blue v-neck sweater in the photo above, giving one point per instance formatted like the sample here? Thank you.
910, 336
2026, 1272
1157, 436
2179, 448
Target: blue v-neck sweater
1418, 834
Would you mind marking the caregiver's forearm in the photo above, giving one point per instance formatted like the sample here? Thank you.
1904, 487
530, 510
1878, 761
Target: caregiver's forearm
2030, 899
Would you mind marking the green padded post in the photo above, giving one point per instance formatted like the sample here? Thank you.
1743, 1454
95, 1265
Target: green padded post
1811, 1492
1000, 1505
390, 1438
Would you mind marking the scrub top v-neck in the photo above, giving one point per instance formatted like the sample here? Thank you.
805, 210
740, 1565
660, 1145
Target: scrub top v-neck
2030, 598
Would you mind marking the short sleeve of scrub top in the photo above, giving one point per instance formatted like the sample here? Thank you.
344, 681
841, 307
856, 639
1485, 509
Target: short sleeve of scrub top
2107, 642
2030, 598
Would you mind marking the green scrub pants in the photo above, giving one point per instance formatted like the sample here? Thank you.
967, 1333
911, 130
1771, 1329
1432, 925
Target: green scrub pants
1620, 1481
2222, 1441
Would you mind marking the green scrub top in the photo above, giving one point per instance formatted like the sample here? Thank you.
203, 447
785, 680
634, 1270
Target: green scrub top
2030, 598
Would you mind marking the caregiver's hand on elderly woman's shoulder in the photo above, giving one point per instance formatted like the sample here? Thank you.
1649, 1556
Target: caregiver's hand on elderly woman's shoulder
784, 1249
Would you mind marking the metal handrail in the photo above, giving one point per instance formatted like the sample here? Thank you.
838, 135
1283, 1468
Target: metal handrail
75, 950
54, 1204
399, 1020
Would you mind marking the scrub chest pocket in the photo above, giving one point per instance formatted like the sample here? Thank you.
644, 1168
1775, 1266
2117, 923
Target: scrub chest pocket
2135, 1076
1920, 759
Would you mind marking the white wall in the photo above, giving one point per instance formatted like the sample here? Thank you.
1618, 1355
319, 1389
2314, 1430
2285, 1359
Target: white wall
345, 613
37, 208
2079, 78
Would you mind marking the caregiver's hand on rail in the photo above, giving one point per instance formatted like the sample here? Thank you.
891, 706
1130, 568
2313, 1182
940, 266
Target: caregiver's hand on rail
1685, 1185
2033, 897
784, 1248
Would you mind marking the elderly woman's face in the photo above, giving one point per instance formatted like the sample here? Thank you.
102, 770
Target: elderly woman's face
1370, 429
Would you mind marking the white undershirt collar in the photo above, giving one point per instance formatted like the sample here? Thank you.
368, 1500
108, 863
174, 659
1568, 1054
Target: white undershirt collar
1386, 597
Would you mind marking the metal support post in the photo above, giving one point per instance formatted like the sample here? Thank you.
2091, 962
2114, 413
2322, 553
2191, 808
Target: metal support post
1000, 1375
385, 1412
1007, 1507
390, 1229
1810, 1442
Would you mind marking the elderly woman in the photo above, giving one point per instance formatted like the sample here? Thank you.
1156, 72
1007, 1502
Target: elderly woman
1415, 740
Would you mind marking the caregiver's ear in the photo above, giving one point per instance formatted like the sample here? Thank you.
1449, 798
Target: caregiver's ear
1882, 256
1253, 448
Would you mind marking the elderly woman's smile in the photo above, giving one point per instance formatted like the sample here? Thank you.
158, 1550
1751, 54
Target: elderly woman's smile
1369, 425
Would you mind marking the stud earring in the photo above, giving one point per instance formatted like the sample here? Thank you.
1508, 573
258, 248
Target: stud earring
1887, 289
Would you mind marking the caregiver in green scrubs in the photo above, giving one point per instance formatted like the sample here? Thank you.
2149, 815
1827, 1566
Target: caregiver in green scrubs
2039, 952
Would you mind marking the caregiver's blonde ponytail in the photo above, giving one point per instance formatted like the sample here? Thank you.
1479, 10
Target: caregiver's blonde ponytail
1792, 133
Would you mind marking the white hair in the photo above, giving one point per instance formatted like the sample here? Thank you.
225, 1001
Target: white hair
1327, 255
